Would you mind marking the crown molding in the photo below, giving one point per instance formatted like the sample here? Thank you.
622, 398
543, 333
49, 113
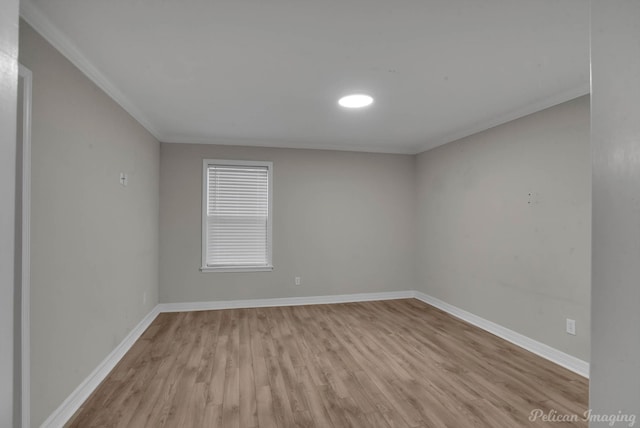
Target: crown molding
34, 17
526, 110
280, 144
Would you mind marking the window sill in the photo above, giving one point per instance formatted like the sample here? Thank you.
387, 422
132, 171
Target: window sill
236, 269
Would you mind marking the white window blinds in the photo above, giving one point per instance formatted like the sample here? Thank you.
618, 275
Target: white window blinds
237, 223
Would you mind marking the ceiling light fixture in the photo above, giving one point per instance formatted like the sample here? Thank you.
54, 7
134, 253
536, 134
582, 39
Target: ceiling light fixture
355, 101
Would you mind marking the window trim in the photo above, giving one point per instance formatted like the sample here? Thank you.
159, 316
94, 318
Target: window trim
203, 262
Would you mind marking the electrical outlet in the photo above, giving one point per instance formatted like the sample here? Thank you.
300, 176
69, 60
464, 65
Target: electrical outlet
144, 298
571, 326
298, 280
124, 179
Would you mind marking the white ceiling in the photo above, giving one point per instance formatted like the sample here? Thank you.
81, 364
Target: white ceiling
270, 72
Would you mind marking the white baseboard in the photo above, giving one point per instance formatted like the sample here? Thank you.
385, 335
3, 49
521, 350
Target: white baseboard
71, 405
560, 358
285, 301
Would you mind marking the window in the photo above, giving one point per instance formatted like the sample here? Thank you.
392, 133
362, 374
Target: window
236, 215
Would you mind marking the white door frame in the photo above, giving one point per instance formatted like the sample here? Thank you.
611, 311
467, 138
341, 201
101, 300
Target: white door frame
25, 310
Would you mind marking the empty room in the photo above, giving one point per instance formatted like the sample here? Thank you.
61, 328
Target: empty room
344, 214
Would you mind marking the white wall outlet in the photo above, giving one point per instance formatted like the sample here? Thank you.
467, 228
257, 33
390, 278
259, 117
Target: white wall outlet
124, 179
571, 326
298, 280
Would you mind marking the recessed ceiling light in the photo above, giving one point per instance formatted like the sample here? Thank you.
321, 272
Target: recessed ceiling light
355, 101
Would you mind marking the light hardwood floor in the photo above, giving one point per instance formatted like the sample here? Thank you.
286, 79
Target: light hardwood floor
398, 363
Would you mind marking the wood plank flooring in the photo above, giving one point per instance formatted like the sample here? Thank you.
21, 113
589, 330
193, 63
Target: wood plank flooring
388, 364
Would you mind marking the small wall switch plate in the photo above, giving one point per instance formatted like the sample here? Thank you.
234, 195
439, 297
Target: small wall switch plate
571, 326
298, 280
124, 179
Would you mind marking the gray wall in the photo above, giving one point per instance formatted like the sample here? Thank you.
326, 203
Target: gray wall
94, 242
615, 133
8, 88
504, 225
343, 221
